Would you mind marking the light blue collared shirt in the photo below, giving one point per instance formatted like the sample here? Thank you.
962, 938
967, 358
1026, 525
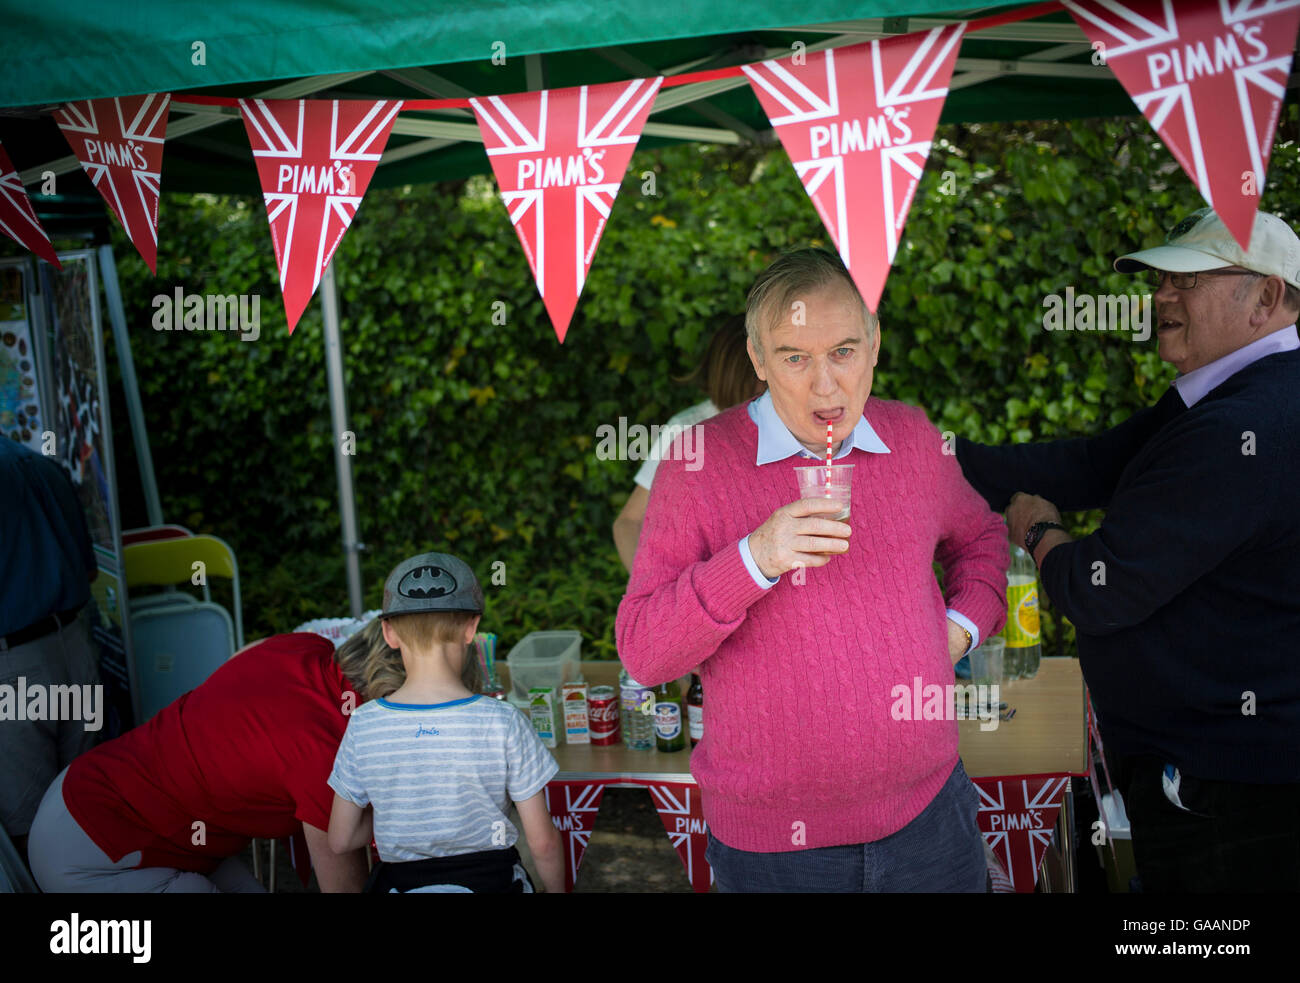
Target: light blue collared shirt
1196, 384
777, 443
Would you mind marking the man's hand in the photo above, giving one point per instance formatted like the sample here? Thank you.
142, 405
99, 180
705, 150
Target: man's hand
1024, 511
799, 535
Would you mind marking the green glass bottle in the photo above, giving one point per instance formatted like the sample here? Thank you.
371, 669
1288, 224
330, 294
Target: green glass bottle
670, 734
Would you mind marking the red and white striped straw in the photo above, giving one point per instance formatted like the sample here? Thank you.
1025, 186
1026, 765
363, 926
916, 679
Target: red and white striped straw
830, 430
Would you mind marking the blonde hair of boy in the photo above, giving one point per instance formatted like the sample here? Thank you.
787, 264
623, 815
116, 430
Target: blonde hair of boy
375, 670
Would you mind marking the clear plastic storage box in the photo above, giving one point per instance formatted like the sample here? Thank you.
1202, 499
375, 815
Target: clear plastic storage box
544, 658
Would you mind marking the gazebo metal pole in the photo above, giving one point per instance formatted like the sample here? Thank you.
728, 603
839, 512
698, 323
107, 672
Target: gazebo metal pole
130, 388
339, 418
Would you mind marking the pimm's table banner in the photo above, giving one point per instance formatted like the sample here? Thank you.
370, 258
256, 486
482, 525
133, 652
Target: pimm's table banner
315, 159
1210, 77
559, 157
573, 806
678, 805
17, 218
857, 123
120, 145
1017, 816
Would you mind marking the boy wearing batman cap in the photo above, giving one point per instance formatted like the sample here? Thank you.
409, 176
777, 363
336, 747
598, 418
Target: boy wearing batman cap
439, 764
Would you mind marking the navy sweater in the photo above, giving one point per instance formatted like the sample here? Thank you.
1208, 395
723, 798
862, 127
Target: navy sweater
1186, 601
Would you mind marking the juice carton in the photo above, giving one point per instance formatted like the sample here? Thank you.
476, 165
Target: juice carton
574, 699
542, 710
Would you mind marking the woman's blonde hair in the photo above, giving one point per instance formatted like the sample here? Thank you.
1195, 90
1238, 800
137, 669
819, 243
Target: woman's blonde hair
375, 670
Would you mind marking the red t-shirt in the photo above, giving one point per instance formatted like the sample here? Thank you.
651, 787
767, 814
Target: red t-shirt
248, 754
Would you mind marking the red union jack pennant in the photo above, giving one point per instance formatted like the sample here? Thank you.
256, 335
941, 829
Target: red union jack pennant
120, 145
17, 218
857, 124
1210, 77
1017, 816
315, 159
573, 806
678, 805
559, 157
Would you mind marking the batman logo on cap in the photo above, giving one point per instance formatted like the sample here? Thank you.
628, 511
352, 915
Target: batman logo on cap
1185, 226
426, 582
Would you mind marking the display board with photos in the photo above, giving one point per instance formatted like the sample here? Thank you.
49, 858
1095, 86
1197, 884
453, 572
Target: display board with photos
22, 415
84, 446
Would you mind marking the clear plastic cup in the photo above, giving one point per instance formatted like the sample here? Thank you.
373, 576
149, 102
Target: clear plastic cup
835, 483
986, 662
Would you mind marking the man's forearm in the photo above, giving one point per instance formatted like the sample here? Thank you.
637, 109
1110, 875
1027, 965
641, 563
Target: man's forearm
664, 633
1057, 470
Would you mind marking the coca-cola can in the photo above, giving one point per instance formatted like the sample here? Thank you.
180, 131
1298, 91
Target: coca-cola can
602, 715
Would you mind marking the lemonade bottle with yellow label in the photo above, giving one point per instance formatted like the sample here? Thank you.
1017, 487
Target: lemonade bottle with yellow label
1024, 648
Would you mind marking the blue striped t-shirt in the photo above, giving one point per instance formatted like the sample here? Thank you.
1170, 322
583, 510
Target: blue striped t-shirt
440, 776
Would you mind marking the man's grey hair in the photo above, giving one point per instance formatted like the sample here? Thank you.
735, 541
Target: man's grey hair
790, 277
1290, 293
1291, 298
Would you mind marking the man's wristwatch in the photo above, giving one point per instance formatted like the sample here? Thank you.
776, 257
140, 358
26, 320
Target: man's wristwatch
1034, 534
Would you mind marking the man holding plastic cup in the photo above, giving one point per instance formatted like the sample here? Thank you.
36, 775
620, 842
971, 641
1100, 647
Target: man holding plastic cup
816, 773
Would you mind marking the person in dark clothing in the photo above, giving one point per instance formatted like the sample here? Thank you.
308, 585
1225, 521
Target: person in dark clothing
46, 565
1186, 601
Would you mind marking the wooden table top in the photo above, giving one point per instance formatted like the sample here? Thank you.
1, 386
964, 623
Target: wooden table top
1046, 736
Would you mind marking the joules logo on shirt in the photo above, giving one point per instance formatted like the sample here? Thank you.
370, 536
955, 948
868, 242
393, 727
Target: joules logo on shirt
426, 731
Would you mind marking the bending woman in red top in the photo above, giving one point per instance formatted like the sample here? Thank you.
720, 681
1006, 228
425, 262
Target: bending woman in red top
170, 805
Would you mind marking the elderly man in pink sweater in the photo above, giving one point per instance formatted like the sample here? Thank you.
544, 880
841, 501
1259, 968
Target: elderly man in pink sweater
803, 626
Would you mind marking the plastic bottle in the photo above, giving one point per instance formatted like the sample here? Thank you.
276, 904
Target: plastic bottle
636, 713
1024, 648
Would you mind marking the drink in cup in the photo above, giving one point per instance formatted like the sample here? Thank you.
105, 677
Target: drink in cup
986, 664
833, 484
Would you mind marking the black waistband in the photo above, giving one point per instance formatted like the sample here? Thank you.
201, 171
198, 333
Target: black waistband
39, 629
484, 872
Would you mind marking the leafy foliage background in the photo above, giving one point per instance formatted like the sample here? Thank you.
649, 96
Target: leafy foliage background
478, 438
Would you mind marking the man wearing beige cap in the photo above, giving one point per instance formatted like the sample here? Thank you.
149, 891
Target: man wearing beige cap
1186, 601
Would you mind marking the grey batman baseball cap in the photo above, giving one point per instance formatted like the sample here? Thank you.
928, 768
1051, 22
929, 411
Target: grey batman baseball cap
431, 582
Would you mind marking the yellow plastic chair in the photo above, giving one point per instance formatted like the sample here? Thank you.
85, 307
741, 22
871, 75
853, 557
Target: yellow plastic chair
170, 562
167, 562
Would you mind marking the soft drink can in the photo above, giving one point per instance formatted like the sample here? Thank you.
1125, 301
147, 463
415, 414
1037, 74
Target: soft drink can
602, 714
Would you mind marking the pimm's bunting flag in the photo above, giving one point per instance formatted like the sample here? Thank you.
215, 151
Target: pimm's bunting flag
857, 123
315, 159
559, 157
17, 218
1210, 77
120, 145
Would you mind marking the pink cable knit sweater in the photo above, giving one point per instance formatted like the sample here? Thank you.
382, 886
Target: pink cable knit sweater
800, 748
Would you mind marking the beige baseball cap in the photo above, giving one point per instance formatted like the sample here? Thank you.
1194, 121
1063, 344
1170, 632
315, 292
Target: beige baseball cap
1202, 242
